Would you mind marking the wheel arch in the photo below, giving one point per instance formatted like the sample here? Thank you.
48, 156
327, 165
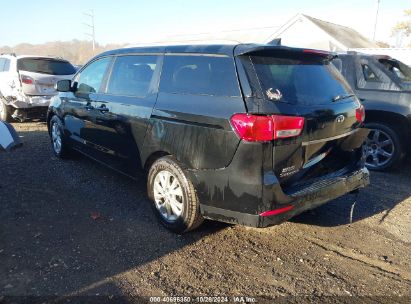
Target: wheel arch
152, 158
398, 122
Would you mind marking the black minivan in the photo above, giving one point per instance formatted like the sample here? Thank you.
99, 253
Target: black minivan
247, 134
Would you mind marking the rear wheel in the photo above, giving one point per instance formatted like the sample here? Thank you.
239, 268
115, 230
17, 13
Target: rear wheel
173, 195
4, 112
383, 147
58, 142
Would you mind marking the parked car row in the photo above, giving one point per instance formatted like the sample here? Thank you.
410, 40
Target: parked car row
248, 134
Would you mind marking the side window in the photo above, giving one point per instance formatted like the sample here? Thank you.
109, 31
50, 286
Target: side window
199, 75
91, 78
6, 65
132, 75
369, 74
2, 62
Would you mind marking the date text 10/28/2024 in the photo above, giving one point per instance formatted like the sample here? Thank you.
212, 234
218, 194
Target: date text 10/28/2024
203, 299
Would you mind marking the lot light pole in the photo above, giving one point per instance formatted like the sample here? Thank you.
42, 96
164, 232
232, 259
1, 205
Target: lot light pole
91, 34
376, 19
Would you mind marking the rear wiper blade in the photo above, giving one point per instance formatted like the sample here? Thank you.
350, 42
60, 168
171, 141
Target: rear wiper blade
340, 97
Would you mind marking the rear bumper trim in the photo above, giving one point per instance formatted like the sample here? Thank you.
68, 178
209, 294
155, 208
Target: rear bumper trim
309, 198
31, 101
312, 142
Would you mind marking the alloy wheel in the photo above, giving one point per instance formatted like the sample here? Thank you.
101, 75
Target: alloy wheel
56, 137
168, 196
379, 149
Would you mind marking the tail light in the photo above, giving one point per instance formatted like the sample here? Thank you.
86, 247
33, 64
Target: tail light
360, 114
26, 79
266, 128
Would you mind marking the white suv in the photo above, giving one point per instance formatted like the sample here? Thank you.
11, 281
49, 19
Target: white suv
27, 84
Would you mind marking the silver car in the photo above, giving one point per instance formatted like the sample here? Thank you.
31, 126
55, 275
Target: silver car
27, 84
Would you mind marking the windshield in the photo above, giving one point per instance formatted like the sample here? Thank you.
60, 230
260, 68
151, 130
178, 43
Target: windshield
300, 80
400, 69
46, 66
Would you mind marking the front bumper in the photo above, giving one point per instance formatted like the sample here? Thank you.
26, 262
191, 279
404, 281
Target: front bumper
304, 199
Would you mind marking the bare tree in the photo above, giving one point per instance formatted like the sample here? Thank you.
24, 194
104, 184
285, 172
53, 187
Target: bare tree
403, 27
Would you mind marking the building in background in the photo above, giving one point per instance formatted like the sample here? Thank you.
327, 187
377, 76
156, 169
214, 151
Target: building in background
300, 31
308, 32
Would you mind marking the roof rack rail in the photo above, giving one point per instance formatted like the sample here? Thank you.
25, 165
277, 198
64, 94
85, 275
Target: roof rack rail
11, 54
184, 42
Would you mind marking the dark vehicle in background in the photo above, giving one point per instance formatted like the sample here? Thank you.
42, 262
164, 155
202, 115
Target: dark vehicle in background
27, 84
383, 84
246, 134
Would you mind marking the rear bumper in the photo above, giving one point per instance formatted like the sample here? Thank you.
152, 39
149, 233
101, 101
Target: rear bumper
27, 102
311, 197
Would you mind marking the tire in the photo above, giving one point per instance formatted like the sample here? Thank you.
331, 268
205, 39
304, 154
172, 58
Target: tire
178, 211
5, 112
58, 142
383, 142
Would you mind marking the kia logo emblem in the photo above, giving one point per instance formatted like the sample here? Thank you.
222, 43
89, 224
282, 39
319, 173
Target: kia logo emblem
340, 118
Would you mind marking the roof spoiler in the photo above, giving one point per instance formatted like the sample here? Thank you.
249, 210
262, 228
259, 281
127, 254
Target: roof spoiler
247, 49
276, 42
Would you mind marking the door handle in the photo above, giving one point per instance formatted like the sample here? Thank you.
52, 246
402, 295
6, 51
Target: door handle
362, 99
103, 109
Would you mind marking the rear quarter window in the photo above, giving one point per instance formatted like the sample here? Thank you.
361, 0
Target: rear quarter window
46, 66
199, 75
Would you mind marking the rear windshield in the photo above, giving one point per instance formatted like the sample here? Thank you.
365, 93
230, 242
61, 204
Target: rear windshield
46, 66
300, 81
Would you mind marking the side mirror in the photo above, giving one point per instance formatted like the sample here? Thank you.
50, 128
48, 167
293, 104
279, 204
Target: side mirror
63, 85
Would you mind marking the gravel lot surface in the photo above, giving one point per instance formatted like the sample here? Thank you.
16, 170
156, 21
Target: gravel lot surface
74, 227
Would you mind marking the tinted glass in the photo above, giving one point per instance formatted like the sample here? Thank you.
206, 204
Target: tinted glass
2, 62
132, 75
6, 65
200, 75
90, 79
45, 66
369, 74
299, 81
397, 67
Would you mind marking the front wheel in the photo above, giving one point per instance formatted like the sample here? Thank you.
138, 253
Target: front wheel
58, 142
174, 198
383, 149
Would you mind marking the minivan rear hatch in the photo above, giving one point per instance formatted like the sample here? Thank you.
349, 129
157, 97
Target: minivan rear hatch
39, 75
304, 83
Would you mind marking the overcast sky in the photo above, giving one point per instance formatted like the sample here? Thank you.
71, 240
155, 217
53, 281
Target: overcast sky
134, 21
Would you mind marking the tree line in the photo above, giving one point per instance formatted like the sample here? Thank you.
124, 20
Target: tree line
75, 51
